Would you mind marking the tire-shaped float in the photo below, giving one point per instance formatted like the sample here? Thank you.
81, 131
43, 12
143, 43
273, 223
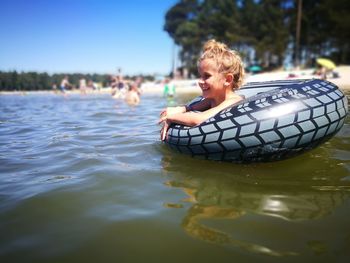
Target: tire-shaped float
275, 121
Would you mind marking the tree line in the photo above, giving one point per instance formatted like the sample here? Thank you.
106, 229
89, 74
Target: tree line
25, 81
263, 31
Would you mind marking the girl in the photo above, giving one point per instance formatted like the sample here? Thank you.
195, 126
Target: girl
221, 73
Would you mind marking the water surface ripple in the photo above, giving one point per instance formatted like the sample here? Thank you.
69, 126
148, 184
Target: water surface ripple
85, 178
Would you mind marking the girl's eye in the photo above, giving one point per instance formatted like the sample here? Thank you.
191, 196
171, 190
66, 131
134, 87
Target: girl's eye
206, 76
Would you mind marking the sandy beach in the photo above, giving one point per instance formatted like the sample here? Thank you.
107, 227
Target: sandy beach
343, 81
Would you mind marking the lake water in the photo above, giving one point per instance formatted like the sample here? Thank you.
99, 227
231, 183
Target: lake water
86, 179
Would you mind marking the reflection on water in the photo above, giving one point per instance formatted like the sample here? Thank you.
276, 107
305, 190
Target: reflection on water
300, 191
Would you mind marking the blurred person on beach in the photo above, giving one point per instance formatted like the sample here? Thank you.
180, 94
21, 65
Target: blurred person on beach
54, 87
133, 95
113, 84
221, 73
65, 84
323, 73
118, 85
91, 85
116, 82
112, 81
169, 88
82, 86
138, 83
120, 80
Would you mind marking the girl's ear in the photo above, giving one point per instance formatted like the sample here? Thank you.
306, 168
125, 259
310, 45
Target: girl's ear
229, 79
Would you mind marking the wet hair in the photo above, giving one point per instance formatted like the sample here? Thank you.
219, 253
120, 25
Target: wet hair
226, 59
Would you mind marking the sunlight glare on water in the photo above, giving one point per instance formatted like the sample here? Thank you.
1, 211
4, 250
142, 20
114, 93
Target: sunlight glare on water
85, 178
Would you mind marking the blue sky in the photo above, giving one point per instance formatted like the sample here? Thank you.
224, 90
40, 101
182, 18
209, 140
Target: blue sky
88, 36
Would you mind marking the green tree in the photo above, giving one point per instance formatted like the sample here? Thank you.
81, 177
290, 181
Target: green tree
340, 20
274, 32
181, 25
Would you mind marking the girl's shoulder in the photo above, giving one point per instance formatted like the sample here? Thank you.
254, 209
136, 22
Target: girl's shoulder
237, 98
232, 100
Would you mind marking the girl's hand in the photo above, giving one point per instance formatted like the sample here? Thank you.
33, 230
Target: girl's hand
164, 130
171, 111
164, 119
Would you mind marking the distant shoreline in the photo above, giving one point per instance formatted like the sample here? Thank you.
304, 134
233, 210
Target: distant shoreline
190, 86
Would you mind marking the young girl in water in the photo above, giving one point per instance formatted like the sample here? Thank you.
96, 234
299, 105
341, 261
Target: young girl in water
221, 74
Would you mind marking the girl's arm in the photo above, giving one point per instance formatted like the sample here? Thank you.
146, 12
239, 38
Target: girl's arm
182, 114
199, 106
194, 118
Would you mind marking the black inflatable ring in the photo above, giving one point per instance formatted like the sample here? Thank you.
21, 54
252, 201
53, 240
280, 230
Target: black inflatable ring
275, 121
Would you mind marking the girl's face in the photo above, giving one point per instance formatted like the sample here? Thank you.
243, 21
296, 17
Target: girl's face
211, 81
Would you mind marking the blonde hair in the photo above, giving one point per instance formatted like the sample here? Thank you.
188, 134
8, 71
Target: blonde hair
226, 59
